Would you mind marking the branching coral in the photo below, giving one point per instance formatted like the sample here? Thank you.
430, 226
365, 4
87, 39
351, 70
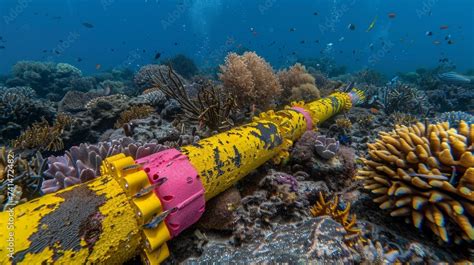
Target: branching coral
342, 216
82, 163
134, 112
426, 174
297, 84
43, 136
455, 117
400, 118
212, 107
344, 123
250, 79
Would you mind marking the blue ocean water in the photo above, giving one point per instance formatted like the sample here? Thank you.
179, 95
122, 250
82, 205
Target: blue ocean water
129, 33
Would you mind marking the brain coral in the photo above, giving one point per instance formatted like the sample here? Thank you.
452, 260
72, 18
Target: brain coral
426, 174
250, 79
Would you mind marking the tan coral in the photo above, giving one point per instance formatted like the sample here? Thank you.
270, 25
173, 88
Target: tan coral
134, 112
298, 84
342, 216
250, 79
427, 175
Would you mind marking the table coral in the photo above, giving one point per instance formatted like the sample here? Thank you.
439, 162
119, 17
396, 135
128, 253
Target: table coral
425, 173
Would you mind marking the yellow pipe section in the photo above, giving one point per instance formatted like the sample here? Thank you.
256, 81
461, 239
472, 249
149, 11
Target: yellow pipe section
100, 222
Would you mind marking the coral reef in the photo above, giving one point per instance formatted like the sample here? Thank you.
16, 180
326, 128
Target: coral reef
183, 65
211, 108
133, 113
455, 117
297, 84
48, 79
250, 79
399, 97
75, 101
426, 175
336, 172
400, 118
19, 109
82, 163
145, 77
276, 200
451, 97
43, 136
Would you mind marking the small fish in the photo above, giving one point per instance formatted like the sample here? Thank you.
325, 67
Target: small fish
157, 55
450, 42
351, 27
372, 24
292, 29
453, 77
87, 25
45, 51
447, 37
315, 13
79, 59
1, 38
429, 33
112, 49
443, 27
371, 46
341, 39
61, 41
98, 66
2, 47
391, 15
436, 42
176, 44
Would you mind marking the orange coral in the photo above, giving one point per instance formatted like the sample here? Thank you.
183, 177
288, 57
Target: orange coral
298, 84
425, 173
342, 216
250, 79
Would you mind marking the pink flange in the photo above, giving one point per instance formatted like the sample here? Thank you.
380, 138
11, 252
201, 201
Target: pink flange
181, 190
307, 117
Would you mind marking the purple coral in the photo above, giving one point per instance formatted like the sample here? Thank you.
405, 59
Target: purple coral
283, 178
326, 147
82, 163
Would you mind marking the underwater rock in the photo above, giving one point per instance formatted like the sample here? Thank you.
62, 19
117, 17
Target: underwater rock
275, 201
220, 211
336, 172
317, 240
75, 101
145, 130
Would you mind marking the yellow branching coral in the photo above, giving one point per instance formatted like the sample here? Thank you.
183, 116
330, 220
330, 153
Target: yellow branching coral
134, 112
298, 84
250, 79
41, 135
342, 216
427, 175
344, 123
